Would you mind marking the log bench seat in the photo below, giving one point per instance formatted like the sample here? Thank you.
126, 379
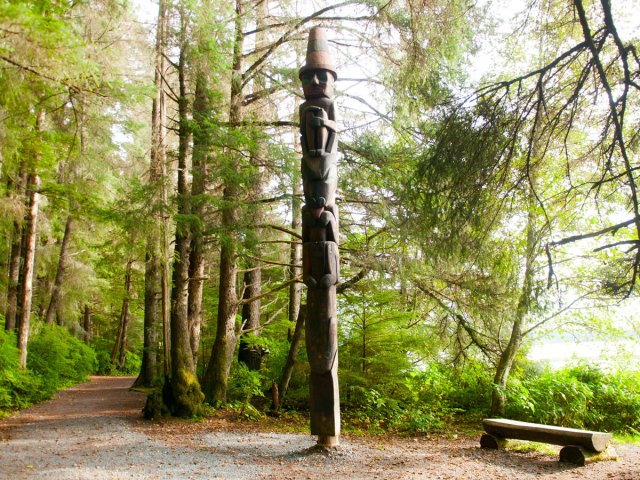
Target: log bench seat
580, 446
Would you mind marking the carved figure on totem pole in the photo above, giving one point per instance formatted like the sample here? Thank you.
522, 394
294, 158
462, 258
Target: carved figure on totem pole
320, 263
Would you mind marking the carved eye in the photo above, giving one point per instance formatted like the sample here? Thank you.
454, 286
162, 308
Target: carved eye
321, 75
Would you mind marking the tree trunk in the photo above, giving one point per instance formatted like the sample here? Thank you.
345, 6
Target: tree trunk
247, 354
217, 373
503, 369
287, 371
201, 146
149, 369
14, 277
154, 261
185, 395
87, 324
52, 310
180, 337
250, 355
15, 259
224, 344
125, 317
364, 339
295, 255
121, 337
33, 185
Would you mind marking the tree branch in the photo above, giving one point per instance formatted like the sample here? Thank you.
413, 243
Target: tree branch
270, 292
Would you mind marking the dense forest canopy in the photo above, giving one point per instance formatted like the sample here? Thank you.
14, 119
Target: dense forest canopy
151, 193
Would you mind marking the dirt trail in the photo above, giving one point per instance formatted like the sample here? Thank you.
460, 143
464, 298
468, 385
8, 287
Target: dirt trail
92, 431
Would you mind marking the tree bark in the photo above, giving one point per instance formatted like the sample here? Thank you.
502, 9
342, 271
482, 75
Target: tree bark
217, 373
295, 256
87, 324
154, 258
33, 185
14, 276
125, 316
52, 310
250, 355
506, 360
119, 345
287, 371
15, 258
186, 397
201, 146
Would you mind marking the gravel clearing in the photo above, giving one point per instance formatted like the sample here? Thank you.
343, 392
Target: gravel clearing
94, 431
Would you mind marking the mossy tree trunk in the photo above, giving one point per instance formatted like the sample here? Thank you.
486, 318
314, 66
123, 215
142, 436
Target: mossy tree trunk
186, 397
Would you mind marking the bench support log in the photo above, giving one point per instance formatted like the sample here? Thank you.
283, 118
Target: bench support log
581, 456
494, 443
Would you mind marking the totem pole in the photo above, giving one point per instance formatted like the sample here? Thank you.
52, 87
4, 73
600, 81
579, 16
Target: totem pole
320, 235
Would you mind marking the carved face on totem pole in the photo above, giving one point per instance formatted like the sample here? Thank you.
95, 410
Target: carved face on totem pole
319, 73
317, 83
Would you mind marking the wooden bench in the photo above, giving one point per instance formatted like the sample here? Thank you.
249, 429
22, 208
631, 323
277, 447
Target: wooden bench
580, 446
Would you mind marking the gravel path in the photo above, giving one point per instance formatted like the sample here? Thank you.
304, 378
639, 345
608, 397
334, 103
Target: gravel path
86, 433
93, 431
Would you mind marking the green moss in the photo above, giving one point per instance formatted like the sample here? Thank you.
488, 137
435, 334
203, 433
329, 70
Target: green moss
155, 407
184, 396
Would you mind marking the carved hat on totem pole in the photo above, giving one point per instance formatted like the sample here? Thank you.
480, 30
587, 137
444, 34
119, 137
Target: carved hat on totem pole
318, 55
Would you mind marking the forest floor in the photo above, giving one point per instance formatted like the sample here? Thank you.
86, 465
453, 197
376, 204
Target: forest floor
94, 431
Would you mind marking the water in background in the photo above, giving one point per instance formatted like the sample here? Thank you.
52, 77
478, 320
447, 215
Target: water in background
558, 353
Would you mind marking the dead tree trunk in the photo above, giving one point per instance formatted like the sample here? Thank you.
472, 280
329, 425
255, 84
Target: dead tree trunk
52, 310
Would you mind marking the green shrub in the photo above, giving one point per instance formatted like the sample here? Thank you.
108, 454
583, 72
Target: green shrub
59, 358
132, 364
18, 388
578, 396
472, 392
244, 384
424, 402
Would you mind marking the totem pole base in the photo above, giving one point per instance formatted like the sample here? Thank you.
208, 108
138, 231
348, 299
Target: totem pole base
328, 441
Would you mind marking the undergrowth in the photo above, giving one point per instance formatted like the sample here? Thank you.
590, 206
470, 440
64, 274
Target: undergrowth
56, 359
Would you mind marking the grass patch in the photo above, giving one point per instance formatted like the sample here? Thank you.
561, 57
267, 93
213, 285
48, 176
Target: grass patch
536, 447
